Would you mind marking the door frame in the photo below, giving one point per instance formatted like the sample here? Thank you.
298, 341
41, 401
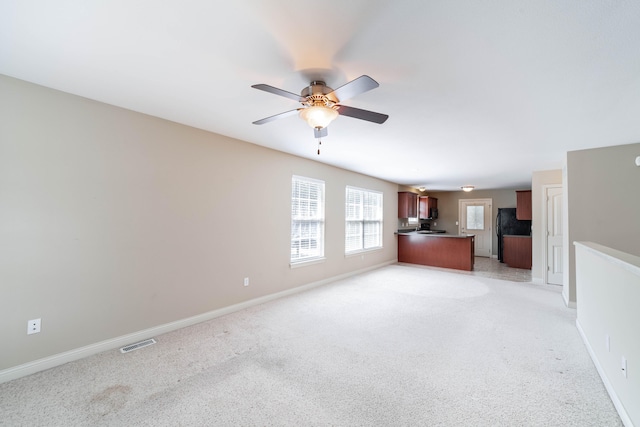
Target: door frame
485, 201
545, 221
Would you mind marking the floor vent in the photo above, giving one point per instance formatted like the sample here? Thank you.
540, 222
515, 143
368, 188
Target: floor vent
131, 347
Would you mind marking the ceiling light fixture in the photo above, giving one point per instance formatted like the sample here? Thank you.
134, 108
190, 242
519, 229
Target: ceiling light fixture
421, 189
318, 116
467, 188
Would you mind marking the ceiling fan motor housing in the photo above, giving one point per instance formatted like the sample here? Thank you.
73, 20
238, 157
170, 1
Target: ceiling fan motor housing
319, 94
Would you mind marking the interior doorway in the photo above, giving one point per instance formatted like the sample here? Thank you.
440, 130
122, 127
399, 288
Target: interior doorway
476, 217
554, 231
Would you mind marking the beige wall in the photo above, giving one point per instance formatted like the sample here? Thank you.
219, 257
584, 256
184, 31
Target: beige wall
539, 182
603, 204
112, 222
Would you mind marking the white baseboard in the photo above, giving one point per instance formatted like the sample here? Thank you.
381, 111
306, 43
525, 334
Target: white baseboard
91, 349
607, 384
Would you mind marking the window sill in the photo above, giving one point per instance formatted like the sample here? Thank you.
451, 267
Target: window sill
362, 252
305, 263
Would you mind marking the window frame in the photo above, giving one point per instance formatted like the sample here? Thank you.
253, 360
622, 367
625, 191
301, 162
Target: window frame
377, 220
475, 216
298, 221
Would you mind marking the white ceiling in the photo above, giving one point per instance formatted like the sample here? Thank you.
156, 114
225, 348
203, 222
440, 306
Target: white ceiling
478, 92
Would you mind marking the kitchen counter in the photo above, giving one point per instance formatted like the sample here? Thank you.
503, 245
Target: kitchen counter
433, 234
437, 250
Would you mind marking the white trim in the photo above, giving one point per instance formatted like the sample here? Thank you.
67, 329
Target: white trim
545, 233
311, 261
565, 298
623, 260
365, 189
362, 251
117, 342
624, 416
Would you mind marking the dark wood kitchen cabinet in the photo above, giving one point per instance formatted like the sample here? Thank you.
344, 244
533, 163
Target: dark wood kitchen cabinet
428, 206
407, 204
517, 251
523, 204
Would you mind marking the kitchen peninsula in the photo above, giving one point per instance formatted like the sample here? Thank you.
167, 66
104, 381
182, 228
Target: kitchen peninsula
437, 250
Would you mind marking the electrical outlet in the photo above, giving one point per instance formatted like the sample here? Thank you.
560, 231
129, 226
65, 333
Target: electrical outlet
624, 367
33, 326
246, 281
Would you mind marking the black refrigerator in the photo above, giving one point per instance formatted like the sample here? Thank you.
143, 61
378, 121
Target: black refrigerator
507, 224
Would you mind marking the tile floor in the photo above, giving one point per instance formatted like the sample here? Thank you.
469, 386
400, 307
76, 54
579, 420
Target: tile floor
491, 267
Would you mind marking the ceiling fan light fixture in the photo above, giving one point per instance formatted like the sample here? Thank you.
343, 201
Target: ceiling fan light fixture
467, 188
318, 116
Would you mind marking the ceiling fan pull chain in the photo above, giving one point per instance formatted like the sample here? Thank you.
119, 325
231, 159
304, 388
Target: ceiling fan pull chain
319, 144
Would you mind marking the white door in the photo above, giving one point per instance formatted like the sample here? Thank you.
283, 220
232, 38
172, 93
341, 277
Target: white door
476, 218
554, 235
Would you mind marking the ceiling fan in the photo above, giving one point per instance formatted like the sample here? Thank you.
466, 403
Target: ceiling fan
321, 104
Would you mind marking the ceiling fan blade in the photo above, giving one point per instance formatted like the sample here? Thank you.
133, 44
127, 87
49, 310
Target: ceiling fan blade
355, 87
367, 115
280, 92
276, 117
320, 133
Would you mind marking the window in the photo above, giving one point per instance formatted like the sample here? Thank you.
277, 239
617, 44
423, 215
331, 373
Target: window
475, 217
363, 217
307, 219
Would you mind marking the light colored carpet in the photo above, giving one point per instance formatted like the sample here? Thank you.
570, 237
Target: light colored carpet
398, 346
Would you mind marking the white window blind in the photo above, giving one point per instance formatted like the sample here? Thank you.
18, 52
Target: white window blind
307, 219
363, 219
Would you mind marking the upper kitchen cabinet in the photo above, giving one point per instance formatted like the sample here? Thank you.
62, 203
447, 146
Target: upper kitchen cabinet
428, 207
407, 204
523, 204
